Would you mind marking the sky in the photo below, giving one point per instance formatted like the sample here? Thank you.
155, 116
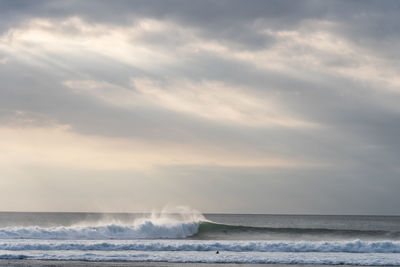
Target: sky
224, 106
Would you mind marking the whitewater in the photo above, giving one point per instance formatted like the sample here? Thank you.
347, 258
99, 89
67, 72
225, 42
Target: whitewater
196, 238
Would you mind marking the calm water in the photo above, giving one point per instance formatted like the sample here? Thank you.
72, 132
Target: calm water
287, 239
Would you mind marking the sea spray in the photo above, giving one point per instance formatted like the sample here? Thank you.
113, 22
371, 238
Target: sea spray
182, 235
170, 222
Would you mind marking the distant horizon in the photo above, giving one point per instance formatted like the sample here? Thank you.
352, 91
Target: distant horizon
210, 213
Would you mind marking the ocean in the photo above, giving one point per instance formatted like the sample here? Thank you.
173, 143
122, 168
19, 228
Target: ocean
198, 238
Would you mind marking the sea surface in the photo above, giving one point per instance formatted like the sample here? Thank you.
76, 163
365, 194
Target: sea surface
196, 238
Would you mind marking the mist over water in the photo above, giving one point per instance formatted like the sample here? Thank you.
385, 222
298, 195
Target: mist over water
178, 222
186, 235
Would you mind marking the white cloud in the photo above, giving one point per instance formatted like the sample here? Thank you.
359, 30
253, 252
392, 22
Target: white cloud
208, 99
75, 37
153, 45
58, 146
104, 91
306, 51
218, 101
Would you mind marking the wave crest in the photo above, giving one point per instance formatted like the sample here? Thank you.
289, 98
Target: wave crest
147, 229
170, 222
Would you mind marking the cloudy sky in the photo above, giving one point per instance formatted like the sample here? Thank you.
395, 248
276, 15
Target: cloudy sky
224, 106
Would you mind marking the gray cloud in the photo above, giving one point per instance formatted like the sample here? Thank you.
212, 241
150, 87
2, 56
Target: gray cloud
358, 120
233, 20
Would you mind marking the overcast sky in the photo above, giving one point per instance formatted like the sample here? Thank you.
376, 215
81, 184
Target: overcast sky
223, 106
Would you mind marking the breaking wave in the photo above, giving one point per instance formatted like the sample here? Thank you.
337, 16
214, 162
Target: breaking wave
161, 228
189, 237
155, 226
356, 246
146, 230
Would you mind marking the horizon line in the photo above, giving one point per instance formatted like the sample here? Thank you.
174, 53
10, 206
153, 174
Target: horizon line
207, 213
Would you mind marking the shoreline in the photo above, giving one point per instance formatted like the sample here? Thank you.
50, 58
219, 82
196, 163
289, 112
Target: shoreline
72, 263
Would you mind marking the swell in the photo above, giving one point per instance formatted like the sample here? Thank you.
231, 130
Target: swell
143, 230
211, 227
356, 246
148, 229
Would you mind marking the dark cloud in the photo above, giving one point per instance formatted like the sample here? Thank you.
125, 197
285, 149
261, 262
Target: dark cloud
357, 121
236, 21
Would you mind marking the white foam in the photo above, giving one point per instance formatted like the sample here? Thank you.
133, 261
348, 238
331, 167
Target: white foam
162, 224
212, 257
356, 246
147, 229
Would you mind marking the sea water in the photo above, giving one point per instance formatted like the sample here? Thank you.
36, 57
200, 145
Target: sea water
193, 237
